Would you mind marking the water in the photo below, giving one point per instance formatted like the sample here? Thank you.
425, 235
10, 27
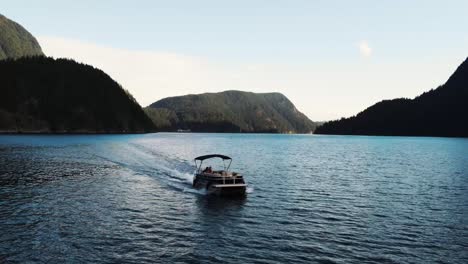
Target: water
312, 199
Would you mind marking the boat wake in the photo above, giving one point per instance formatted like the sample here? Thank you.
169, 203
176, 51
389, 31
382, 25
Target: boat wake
173, 173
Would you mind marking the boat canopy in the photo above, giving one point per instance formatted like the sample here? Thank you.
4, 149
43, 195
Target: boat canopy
204, 157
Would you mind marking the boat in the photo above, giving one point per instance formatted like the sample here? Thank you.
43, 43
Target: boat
219, 182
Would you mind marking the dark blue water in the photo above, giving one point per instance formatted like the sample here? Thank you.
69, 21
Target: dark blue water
312, 199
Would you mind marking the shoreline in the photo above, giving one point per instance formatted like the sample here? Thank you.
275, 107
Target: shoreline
136, 133
42, 133
3, 132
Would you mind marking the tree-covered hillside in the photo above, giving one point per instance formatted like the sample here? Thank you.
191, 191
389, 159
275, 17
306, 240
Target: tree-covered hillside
39, 94
15, 41
439, 112
230, 111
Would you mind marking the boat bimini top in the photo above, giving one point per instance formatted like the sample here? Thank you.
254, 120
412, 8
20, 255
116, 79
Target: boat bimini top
210, 156
204, 157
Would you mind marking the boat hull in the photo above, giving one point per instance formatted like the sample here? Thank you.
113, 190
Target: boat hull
219, 187
228, 190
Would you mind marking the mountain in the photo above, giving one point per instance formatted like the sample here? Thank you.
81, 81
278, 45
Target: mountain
15, 41
39, 94
438, 112
229, 111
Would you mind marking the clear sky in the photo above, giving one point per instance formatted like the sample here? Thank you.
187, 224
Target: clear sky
331, 58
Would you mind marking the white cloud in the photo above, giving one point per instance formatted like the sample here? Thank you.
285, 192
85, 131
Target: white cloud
148, 75
364, 48
322, 90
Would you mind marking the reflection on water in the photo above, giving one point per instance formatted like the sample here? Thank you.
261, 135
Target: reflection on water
311, 199
219, 205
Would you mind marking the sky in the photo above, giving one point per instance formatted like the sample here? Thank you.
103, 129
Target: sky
332, 59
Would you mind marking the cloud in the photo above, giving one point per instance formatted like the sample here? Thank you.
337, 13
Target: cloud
153, 75
364, 48
322, 90
148, 75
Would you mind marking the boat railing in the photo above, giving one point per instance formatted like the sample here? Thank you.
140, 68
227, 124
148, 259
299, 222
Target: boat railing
225, 178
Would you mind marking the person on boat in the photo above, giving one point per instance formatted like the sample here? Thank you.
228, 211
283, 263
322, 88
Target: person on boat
208, 169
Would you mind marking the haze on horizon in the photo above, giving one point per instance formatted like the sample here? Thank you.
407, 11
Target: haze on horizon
332, 59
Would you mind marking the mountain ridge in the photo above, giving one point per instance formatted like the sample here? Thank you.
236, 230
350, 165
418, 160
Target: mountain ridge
46, 95
230, 111
442, 111
16, 41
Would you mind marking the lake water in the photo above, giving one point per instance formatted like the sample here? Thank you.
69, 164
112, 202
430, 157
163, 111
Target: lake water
312, 199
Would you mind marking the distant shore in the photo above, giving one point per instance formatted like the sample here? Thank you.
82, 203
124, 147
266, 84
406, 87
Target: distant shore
11, 132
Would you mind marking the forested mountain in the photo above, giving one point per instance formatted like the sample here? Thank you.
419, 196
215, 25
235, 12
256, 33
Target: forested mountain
230, 111
438, 112
39, 94
15, 41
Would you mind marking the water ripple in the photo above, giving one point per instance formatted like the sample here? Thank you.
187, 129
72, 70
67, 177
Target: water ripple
312, 199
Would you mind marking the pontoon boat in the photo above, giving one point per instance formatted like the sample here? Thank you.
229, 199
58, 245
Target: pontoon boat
221, 182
